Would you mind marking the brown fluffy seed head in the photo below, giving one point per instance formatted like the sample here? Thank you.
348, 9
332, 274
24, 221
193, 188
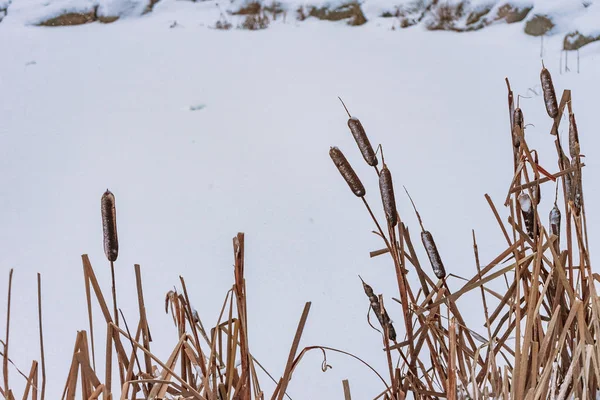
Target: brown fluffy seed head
549, 93
368, 289
568, 182
382, 315
391, 331
573, 137
527, 212
434, 256
538, 188
576, 188
555, 221
517, 126
362, 141
347, 172
109, 226
387, 195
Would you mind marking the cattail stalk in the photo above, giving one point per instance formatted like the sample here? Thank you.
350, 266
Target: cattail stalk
527, 212
576, 188
360, 136
386, 188
555, 218
430, 247
111, 241
109, 226
518, 124
573, 137
434, 256
347, 172
382, 315
549, 93
538, 188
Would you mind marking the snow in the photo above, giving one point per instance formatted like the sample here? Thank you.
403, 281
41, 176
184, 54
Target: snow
568, 16
588, 22
107, 106
121, 8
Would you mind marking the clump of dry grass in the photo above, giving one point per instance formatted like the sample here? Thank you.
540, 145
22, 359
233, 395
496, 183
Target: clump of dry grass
550, 308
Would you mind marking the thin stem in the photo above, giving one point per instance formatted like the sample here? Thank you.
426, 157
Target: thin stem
387, 243
114, 293
39, 277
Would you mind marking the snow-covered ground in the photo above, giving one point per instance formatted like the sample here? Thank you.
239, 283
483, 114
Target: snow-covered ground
109, 106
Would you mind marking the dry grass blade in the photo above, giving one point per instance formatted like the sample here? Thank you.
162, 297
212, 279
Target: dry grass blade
283, 383
346, 386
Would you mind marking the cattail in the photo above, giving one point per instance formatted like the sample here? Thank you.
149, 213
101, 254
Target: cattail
109, 226
347, 172
567, 178
527, 212
538, 188
382, 315
362, 141
555, 224
517, 126
576, 187
361, 138
387, 195
433, 254
549, 93
573, 137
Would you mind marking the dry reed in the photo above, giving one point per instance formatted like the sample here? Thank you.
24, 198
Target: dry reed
541, 330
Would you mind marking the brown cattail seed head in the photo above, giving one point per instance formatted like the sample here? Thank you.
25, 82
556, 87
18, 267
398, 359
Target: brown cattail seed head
527, 212
382, 315
555, 223
549, 93
109, 226
434, 256
538, 188
576, 187
362, 141
347, 172
517, 126
573, 137
387, 195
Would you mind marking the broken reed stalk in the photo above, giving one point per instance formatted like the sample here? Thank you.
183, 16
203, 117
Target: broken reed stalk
283, 383
346, 386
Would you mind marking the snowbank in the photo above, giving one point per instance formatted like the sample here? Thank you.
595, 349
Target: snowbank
578, 20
